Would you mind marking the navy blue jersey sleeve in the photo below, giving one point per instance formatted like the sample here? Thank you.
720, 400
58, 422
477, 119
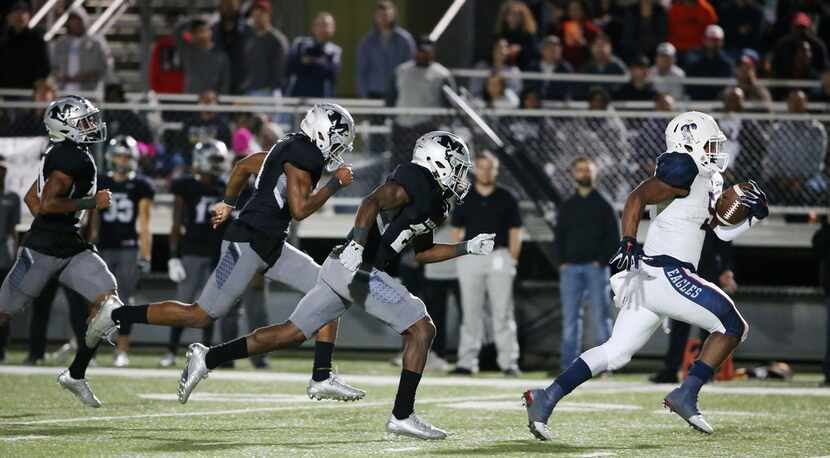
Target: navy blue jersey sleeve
66, 159
144, 188
457, 219
676, 169
414, 182
303, 155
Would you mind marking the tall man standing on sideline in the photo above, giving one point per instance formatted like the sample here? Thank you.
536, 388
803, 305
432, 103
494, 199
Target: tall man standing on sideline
489, 209
585, 238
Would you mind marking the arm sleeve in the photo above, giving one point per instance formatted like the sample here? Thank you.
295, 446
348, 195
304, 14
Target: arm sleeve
730, 233
676, 169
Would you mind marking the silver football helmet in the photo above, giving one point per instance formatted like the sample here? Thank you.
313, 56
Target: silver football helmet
447, 158
75, 119
211, 157
122, 146
331, 128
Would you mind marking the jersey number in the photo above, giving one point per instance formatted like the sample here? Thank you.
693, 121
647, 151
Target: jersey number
120, 210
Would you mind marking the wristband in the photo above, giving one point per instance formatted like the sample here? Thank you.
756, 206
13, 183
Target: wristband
360, 235
333, 184
230, 201
87, 204
461, 249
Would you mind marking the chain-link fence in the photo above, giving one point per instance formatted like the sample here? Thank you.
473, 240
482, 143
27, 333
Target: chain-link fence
787, 156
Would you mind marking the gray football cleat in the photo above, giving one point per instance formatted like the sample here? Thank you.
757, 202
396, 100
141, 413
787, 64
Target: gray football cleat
101, 325
684, 404
80, 388
413, 426
333, 388
195, 370
537, 414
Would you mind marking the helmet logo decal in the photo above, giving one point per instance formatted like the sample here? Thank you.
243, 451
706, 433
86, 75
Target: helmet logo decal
686, 132
61, 112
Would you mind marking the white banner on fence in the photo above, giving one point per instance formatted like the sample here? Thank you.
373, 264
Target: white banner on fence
23, 156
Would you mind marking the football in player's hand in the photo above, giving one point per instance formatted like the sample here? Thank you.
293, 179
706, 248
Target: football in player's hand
729, 211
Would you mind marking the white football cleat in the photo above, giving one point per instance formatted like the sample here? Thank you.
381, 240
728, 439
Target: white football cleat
333, 388
413, 426
80, 388
195, 370
120, 359
169, 360
101, 325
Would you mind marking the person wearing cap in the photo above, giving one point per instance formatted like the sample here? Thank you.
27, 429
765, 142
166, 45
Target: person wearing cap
688, 19
19, 43
645, 26
314, 60
265, 54
552, 62
747, 78
665, 75
385, 47
9, 218
638, 86
744, 23
80, 62
786, 50
710, 62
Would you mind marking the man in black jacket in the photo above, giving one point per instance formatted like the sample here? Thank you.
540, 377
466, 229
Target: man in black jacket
584, 241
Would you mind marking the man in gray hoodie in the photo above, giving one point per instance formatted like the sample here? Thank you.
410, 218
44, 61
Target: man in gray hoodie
206, 68
80, 62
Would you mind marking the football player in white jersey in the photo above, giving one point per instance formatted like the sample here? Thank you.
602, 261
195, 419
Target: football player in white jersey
659, 280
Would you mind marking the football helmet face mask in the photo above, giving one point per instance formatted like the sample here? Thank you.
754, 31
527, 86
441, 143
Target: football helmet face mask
75, 119
122, 146
447, 158
698, 135
211, 157
331, 128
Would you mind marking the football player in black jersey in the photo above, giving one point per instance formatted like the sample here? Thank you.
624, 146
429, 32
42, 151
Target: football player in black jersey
406, 209
125, 250
286, 178
66, 187
193, 255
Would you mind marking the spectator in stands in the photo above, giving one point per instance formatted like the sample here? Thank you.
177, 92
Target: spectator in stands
552, 62
744, 24
578, 32
645, 135
418, 83
645, 26
822, 94
206, 67
712, 62
604, 62
314, 61
166, 74
688, 20
498, 95
265, 54
747, 138
124, 122
585, 239
205, 126
800, 68
80, 62
608, 18
638, 86
663, 102
488, 208
29, 123
381, 51
19, 44
665, 75
796, 154
517, 25
501, 65
598, 98
747, 77
231, 34
787, 50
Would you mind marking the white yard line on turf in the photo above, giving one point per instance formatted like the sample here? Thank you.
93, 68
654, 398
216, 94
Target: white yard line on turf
302, 406
21, 438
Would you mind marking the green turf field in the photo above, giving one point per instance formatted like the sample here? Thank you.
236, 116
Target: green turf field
265, 413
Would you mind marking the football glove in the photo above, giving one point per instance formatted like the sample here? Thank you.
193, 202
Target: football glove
352, 256
628, 254
175, 269
481, 244
755, 199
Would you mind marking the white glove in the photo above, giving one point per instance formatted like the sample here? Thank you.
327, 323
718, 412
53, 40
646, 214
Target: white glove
175, 270
352, 256
481, 244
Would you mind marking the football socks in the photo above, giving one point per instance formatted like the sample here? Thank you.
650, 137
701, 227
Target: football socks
405, 399
322, 361
233, 350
